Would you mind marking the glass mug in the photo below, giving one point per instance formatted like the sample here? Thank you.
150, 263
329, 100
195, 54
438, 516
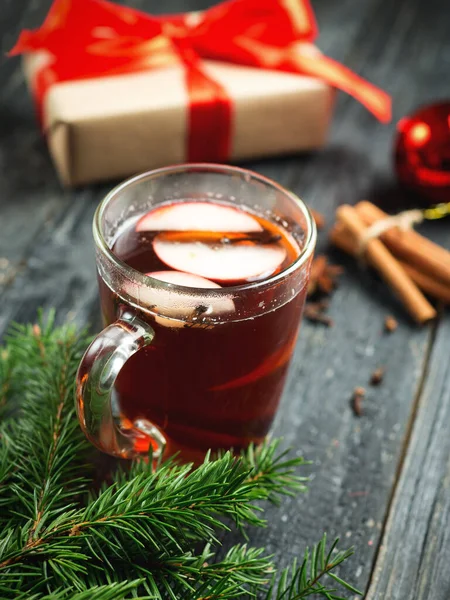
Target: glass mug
150, 379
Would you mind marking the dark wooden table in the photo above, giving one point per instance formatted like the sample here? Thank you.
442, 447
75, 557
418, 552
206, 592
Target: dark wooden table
381, 482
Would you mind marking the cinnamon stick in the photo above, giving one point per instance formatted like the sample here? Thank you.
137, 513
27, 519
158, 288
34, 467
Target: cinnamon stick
388, 267
436, 289
340, 237
413, 248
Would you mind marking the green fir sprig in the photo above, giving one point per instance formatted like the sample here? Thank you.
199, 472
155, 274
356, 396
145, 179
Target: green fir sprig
149, 533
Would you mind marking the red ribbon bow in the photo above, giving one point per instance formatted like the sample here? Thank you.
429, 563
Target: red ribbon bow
85, 39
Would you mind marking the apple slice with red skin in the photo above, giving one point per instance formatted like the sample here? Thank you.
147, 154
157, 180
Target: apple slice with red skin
198, 216
238, 263
175, 309
184, 279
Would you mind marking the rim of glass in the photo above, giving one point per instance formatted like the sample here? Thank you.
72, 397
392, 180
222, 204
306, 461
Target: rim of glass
209, 167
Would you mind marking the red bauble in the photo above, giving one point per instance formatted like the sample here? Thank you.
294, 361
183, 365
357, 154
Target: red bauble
422, 151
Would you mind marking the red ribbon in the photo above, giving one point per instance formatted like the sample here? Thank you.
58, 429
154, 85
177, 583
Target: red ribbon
85, 39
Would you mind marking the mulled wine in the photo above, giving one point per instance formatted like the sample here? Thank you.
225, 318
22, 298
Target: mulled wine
213, 374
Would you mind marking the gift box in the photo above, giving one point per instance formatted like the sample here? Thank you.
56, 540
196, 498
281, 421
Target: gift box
116, 126
119, 91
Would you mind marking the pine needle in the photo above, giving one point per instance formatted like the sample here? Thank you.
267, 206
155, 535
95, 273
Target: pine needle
150, 533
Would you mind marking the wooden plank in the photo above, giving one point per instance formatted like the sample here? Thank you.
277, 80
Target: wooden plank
31, 196
355, 459
413, 559
60, 268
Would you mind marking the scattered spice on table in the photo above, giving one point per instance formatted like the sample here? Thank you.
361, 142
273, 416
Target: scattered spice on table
315, 312
390, 324
377, 376
323, 280
356, 402
324, 276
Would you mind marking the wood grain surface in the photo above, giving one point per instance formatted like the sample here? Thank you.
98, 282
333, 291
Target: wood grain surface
380, 481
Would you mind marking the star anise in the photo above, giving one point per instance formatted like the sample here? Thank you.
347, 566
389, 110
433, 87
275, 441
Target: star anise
324, 277
315, 312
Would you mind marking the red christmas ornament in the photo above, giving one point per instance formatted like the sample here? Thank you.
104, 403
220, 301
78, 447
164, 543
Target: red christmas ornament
422, 151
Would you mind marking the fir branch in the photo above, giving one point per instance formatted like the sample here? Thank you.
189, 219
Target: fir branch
146, 527
47, 442
112, 591
8, 430
298, 582
6, 380
8, 427
163, 512
198, 577
273, 471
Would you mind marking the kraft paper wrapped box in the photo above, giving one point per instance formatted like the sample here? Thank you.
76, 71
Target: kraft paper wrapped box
119, 91
112, 127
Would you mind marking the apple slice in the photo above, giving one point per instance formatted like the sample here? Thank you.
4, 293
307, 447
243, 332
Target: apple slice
227, 262
268, 366
198, 216
185, 279
177, 308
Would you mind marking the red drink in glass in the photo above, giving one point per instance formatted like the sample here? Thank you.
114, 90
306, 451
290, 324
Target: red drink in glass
210, 292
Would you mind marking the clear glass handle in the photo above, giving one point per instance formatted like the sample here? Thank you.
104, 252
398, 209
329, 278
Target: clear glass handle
96, 376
